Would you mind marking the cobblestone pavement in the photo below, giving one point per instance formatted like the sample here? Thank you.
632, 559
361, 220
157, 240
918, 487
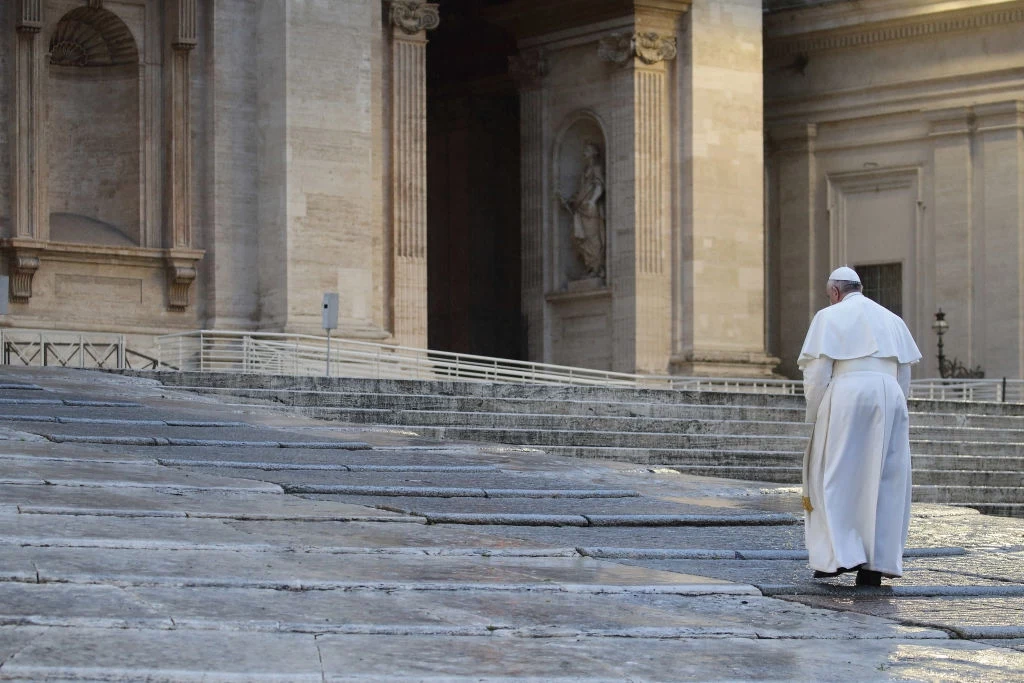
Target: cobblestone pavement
147, 533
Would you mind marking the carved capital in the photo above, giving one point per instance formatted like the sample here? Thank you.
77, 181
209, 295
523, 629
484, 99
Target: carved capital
413, 16
22, 267
183, 24
649, 48
181, 273
528, 68
29, 16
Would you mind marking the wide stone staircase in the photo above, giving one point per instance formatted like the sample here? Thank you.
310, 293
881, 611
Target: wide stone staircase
969, 454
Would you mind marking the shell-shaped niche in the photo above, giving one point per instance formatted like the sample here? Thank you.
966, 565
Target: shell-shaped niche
92, 36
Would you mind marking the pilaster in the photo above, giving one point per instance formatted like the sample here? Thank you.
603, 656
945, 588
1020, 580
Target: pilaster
1000, 148
719, 250
801, 267
181, 270
529, 69
410, 20
951, 132
29, 210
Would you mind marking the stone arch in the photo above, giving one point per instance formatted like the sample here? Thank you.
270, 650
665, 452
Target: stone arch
577, 131
92, 36
93, 127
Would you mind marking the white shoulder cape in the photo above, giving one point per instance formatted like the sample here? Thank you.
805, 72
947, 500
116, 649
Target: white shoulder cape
857, 327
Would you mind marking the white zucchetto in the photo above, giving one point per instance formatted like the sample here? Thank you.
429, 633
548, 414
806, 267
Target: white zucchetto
844, 273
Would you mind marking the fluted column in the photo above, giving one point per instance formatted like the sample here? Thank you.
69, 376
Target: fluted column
181, 260
643, 291
410, 20
30, 212
529, 69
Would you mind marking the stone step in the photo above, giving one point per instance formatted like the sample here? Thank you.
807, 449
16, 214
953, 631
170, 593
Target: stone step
326, 405
967, 462
325, 387
553, 437
974, 478
960, 494
434, 418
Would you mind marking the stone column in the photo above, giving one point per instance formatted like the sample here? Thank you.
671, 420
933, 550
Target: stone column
30, 212
953, 269
801, 269
181, 257
529, 69
410, 21
1000, 146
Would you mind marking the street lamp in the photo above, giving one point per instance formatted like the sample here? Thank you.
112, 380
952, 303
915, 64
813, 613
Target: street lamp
940, 326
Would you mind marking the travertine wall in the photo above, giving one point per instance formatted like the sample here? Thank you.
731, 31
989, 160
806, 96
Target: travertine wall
320, 206
718, 313
920, 164
93, 147
231, 203
7, 38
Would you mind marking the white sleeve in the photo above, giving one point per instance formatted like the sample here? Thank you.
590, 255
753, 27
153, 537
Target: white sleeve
903, 377
817, 375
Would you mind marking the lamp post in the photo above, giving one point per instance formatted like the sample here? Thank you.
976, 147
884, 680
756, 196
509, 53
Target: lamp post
940, 326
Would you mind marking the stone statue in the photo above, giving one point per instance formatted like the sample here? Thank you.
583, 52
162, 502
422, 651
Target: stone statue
587, 209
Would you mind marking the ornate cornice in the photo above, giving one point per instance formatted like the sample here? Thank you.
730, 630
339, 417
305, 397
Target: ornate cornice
528, 68
871, 34
413, 16
648, 47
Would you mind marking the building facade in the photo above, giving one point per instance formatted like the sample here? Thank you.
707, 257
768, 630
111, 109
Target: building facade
638, 185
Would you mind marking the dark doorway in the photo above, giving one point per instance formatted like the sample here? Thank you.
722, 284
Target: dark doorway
473, 186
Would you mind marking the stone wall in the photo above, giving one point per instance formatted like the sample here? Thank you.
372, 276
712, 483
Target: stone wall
896, 136
321, 203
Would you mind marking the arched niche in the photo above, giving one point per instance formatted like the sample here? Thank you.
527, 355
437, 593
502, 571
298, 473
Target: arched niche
93, 129
578, 176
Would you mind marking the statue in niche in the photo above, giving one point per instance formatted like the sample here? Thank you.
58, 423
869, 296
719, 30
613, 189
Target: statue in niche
587, 209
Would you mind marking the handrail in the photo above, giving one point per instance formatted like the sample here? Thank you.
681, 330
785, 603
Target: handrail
300, 354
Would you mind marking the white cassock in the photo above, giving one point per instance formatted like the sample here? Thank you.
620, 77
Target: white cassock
856, 362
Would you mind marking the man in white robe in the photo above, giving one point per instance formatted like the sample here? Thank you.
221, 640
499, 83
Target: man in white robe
856, 363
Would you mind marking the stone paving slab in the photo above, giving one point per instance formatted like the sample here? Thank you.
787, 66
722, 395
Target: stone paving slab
782, 537
796, 573
554, 506
299, 571
216, 656
80, 473
447, 613
970, 618
150, 654
132, 502
298, 455
255, 536
995, 566
500, 659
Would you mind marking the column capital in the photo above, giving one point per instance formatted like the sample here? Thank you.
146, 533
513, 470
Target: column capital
793, 137
995, 116
29, 16
412, 16
183, 24
528, 68
950, 121
648, 47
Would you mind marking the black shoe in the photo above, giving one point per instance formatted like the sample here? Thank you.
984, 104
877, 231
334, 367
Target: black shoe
829, 575
869, 577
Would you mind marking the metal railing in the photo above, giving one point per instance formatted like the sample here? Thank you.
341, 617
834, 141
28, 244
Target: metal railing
70, 350
1002, 390
295, 354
